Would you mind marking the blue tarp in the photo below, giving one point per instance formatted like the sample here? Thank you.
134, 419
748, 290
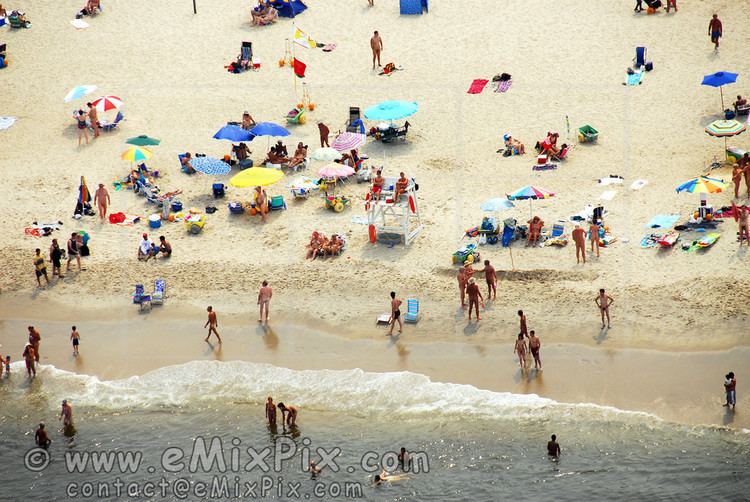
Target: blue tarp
288, 8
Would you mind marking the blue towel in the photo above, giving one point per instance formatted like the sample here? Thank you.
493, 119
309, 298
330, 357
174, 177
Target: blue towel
663, 221
634, 78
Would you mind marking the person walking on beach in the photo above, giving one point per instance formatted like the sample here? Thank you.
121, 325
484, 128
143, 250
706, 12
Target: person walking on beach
522, 322
730, 387
534, 345
638, 6
604, 301
28, 357
264, 298
101, 198
376, 44
594, 236
491, 277
288, 414
75, 339
212, 323
371, 3
671, 4
40, 268
475, 298
74, 252
271, 412
579, 237
324, 133
34, 338
93, 119
741, 215
395, 314
461, 277
715, 31
40, 437
520, 349
553, 447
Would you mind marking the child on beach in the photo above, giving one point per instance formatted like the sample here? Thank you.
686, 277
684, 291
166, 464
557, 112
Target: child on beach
75, 338
730, 386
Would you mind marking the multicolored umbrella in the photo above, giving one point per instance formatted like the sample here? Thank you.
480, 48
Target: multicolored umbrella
78, 92
530, 192
83, 192
725, 129
348, 141
136, 154
256, 176
336, 171
210, 165
391, 110
143, 140
106, 103
702, 184
326, 154
720, 79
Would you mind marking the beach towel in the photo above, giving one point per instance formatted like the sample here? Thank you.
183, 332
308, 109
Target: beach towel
477, 86
6, 122
634, 78
79, 24
663, 221
650, 240
608, 195
611, 180
544, 167
125, 220
329, 47
359, 219
503, 86
638, 184
390, 68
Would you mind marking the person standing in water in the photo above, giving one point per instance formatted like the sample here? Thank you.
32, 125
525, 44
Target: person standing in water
395, 314
520, 349
730, 387
271, 412
66, 414
288, 414
75, 338
522, 322
34, 339
28, 357
212, 323
553, 447
534, 345
40, 437
604, 301
264, 298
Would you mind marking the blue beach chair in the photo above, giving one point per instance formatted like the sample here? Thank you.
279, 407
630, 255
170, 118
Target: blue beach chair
141, 298
412, 310
413, 6
277, 203
160, 291
558, 229
640, 57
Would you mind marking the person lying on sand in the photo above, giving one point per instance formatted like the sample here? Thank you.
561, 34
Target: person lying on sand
187, 164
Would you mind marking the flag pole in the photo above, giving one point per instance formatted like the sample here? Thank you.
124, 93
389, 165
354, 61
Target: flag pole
195, 9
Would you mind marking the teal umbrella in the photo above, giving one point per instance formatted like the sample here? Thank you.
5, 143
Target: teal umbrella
143, 140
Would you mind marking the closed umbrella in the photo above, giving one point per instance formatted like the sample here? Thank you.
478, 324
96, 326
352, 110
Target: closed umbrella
210, 165
725, 129
143, 140
234, 133
256, 176
720, 79
391, 110
326, 154
106, 103
84, 195
78, 92
348, 141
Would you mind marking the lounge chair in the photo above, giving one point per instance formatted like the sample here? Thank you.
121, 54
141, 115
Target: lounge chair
106, 126
640, 58
276, 203
562, 155
160, 291
393, 133
742, 109
558, 229
355, 119
412, 310
184, 168
296, 116
141, 298
246, 52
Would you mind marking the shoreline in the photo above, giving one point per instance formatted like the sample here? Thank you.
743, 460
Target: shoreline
688, 389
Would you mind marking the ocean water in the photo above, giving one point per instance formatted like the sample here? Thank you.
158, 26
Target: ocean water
197, 432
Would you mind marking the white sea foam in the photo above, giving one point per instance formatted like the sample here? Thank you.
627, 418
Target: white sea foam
351, 391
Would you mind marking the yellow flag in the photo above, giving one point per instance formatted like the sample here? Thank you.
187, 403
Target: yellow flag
303, 39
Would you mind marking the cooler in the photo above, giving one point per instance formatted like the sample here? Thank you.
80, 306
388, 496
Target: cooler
154, 221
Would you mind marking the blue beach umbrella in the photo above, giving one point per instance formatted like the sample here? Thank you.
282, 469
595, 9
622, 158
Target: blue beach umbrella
391, 110
269, 129
720, 79
496, 204
78, 92
210, 165
234, 134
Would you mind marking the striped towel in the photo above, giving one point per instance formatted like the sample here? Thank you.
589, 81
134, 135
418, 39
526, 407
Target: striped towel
503, 86
477, 86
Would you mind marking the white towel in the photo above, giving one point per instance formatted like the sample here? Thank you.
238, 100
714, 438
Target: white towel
6, 122
610, 181
79, 24
608, 195
638, 184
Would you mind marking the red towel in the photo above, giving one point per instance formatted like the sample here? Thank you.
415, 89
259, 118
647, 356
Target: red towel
477, 86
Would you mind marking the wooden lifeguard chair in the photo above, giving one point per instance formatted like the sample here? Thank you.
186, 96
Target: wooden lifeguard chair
394, 221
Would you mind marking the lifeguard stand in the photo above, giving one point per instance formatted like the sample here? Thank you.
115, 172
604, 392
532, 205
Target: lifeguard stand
395, 218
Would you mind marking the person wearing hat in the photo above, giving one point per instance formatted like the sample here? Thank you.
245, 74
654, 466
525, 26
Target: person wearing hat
145, 249
513, 146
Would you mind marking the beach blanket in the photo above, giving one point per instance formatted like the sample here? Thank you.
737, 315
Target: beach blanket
503, 86
79, 24
638, 184
125, 220
611, 180
608, 195
477, 86
663, 221
6, 122
634, 78
704, 243
359, 219
390, 68
544, 167
650, 240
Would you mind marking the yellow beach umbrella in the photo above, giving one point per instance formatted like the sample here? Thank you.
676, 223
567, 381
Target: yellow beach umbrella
256, 176
136, 154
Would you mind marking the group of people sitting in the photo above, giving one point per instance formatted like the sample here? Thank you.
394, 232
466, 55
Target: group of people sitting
548, 146
278, 155
264, 13
91, 8
399, 189
147, 249
320, 245
16, 17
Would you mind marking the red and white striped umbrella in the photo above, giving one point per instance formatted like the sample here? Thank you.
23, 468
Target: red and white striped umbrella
348, 141
106, 103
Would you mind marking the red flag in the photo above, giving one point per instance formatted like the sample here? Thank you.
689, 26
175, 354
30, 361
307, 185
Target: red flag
299, 68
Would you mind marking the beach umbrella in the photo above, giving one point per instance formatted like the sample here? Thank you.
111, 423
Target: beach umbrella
496, 204
84, 195
391, 110
106, 103
702, 184
256, 176
210, 165
326, 154
136, 154
269, 129
234, 133
725, 129
720, 79
348, 141
531, 193
78, 92
143, 140
336, 171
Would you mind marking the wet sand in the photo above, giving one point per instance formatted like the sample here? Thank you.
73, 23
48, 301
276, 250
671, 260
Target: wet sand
117, 343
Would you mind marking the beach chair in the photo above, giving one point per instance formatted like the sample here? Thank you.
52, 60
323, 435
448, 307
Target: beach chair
3, 49
562, 155
412, 7
412, 310
218, 190
640, 58
246, 52
276, 203
184, 169
236, 208
355, 119
140, 298
15, 22
296, 116
558, 229
587, 134
111, 126
160, 291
